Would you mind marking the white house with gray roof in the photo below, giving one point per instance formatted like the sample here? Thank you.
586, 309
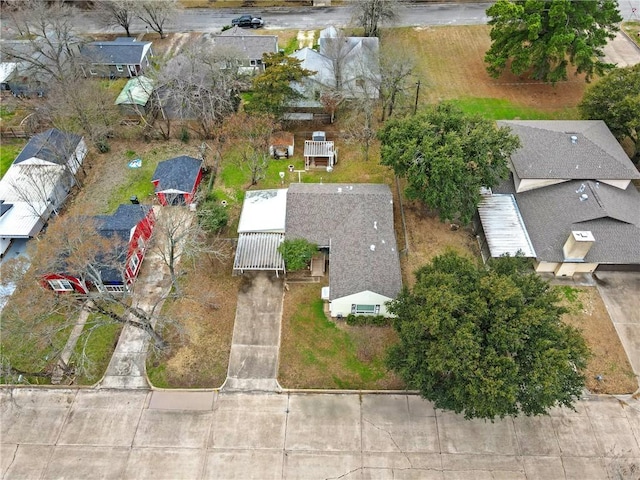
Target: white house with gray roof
573, 207
348, 65
352, 222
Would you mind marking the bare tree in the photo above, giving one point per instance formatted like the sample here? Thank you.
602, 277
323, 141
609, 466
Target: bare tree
250, 135
369, 14
337, 49
201, 84
38, 319
118, 13
178, 234
81, 106
331, 100
396, 68
49, 49
155, 13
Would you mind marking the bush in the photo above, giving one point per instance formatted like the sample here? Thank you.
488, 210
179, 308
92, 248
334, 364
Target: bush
297, 253
213, 216
184, 135
373, 320
102, 145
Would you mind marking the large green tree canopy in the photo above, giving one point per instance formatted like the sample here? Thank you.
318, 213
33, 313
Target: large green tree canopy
544, 36
486, 341
616, 100
446, 156
272, 89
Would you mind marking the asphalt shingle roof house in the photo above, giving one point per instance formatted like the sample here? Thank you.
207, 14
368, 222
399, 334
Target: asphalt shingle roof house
122, 57
572, 186
132, 225
247, 48
37, 183
354, 223
348, 64
176, 180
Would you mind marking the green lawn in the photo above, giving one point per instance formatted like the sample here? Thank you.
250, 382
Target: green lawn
499, 109
98, 347
315, 353
9, 150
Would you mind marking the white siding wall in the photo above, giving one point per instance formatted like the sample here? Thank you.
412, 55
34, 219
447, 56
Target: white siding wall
565, 269
343, 305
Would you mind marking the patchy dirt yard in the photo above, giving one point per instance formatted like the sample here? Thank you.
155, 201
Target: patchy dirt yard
608, 370
445, 79
199, 355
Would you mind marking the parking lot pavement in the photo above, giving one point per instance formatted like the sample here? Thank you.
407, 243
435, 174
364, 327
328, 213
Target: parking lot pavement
88, 433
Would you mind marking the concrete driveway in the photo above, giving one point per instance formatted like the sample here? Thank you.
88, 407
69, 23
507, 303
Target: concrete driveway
135, 434
620, 292
253, 361
622, 51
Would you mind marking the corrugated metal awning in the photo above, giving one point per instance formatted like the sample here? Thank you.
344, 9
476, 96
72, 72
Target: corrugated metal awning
259, 251
503, 226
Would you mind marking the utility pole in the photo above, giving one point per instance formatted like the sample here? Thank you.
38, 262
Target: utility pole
415, 106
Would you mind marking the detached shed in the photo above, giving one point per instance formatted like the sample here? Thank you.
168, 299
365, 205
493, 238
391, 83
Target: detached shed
135, 95
176, 180
281, 145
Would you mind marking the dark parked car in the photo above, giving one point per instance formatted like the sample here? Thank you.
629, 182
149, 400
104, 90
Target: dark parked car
248, 21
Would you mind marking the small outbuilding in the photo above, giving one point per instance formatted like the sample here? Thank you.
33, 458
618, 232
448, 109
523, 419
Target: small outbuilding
176, 180
134, 97
281, 145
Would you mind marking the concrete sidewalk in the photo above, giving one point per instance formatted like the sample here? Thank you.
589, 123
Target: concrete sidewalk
127, 368
65, 433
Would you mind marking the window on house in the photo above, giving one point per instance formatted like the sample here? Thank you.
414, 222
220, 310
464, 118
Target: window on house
120, 68
61, 285
92, 71
365, 309
133, 263
253, 63
141, 244
114, 288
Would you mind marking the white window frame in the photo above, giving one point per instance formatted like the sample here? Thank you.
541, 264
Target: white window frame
92, 72
114, 288
253, 63
120, 68
61, 285
134, 262
357, 309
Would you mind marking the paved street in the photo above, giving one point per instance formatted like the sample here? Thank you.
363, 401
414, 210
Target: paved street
77, 434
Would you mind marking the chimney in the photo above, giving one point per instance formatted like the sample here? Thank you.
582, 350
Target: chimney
577, 246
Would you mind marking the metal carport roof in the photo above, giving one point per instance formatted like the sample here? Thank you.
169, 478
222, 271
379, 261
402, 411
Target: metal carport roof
503, 226
259, 251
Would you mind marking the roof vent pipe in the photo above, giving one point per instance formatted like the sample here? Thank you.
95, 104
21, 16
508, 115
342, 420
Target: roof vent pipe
574, 139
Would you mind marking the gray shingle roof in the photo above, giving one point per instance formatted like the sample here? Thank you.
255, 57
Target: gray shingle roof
356, 220
548, 152
179, 173
122, 221
117, 52
610, 213
248, 47
51, 146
